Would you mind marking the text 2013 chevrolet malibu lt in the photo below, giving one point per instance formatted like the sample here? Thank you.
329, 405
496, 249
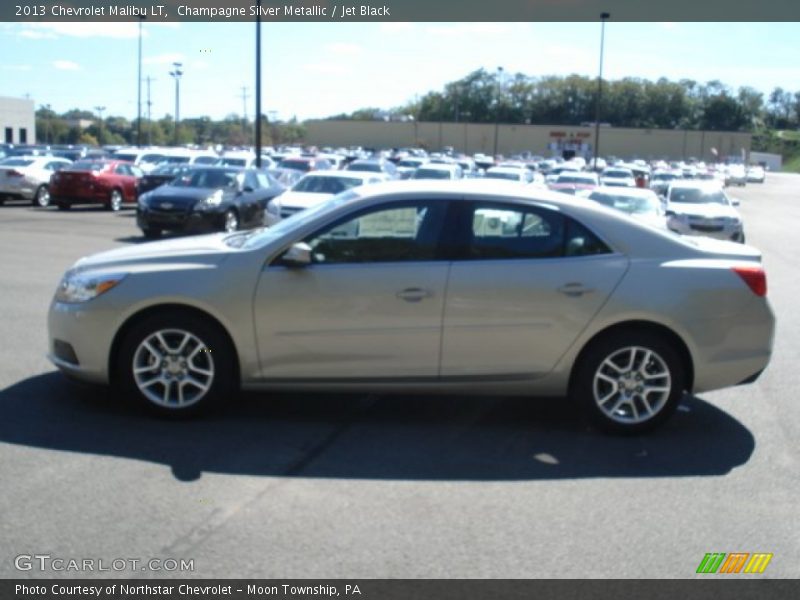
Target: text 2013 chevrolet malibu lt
465, 286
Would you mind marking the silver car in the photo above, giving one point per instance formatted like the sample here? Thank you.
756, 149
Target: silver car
703, 208
475, 287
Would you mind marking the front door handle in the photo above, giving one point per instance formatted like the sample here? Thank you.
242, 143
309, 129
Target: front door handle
574, 289
414, 294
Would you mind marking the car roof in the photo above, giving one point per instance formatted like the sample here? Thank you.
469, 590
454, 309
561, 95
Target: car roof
347, 174
624, 191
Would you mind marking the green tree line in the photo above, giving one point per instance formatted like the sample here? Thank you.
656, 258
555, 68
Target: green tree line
488, 97
53, 128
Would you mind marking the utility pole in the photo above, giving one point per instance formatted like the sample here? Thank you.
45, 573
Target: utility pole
100, 110
245, 96
139, 89
603, 17
258, 84
149, 122
176, 74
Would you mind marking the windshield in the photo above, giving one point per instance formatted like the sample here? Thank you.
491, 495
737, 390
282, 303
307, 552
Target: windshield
299, 165
431, 174
16, 162
126, 157
576, 179
697, 196
628, 204
259, 237
410, 163
371, 167
176, 160
207, 178
316, 184
502, 175
618, 174
232, 162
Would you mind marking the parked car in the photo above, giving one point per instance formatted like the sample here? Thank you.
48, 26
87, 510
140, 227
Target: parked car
660, 180
700, 208
562, 297
736, 174
207, 199
28, 178
371, 165
617, 176
314, 188
409, 164
434, 170
305, 163
163, 173
756, 174
108, 182
641, 204
569, 182
518, 174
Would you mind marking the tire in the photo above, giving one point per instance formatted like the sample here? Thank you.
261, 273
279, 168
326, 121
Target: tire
185, 364
42, 197
115, 200
612, 394
231, 221
151, 234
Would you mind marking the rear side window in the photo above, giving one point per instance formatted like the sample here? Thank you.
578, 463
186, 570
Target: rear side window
510, 232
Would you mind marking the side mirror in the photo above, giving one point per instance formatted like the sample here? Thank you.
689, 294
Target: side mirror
670, 213
297, 256
735, 201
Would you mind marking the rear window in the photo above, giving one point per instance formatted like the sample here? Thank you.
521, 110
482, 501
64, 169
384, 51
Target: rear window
16, 162
87, 165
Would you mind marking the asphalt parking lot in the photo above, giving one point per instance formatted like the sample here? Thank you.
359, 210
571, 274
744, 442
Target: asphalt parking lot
369, 486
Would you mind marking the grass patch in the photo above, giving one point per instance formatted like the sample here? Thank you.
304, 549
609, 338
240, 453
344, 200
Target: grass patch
791, 164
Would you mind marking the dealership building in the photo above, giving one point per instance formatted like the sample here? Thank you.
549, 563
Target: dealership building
17, 120
544, 140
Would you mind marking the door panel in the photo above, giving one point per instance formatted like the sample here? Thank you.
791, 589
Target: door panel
350, 320
513, 317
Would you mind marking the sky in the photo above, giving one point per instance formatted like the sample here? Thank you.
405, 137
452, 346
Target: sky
314, 70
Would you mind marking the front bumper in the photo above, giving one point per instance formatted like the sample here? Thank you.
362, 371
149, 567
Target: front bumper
79, 339
709, 228
189, 221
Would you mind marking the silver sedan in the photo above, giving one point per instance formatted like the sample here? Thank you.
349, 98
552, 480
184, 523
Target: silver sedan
466, 286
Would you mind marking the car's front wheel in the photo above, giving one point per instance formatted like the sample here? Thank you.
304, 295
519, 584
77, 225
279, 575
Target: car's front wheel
629, 382
177, 364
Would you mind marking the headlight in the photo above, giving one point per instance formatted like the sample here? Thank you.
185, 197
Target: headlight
214, 199
82, 287
143, 200
274, 207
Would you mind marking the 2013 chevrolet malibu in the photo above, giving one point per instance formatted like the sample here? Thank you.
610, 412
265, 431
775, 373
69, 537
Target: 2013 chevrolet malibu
462, 286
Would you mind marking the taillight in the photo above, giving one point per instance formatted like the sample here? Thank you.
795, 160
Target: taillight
755, 277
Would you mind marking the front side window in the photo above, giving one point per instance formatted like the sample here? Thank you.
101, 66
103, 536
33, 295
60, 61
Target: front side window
393, 233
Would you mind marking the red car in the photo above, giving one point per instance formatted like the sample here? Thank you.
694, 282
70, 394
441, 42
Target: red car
570, 182
95, 181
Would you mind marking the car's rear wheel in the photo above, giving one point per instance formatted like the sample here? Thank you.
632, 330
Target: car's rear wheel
176, 364
42, 197
629, 382
115, 200
231, 222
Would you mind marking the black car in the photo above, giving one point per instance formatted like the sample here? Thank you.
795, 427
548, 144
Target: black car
163, 173
207, 199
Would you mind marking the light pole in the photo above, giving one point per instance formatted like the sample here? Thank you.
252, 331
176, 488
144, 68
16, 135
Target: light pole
258, 85
100, 110
497, 110
139, 89
603, 17
176, 74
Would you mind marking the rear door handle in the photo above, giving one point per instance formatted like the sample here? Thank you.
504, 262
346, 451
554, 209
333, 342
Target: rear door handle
574, 289
414, 294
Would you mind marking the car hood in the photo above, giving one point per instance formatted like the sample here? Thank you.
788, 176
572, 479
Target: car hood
179, 195
708, 210
302, 199
203, 250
